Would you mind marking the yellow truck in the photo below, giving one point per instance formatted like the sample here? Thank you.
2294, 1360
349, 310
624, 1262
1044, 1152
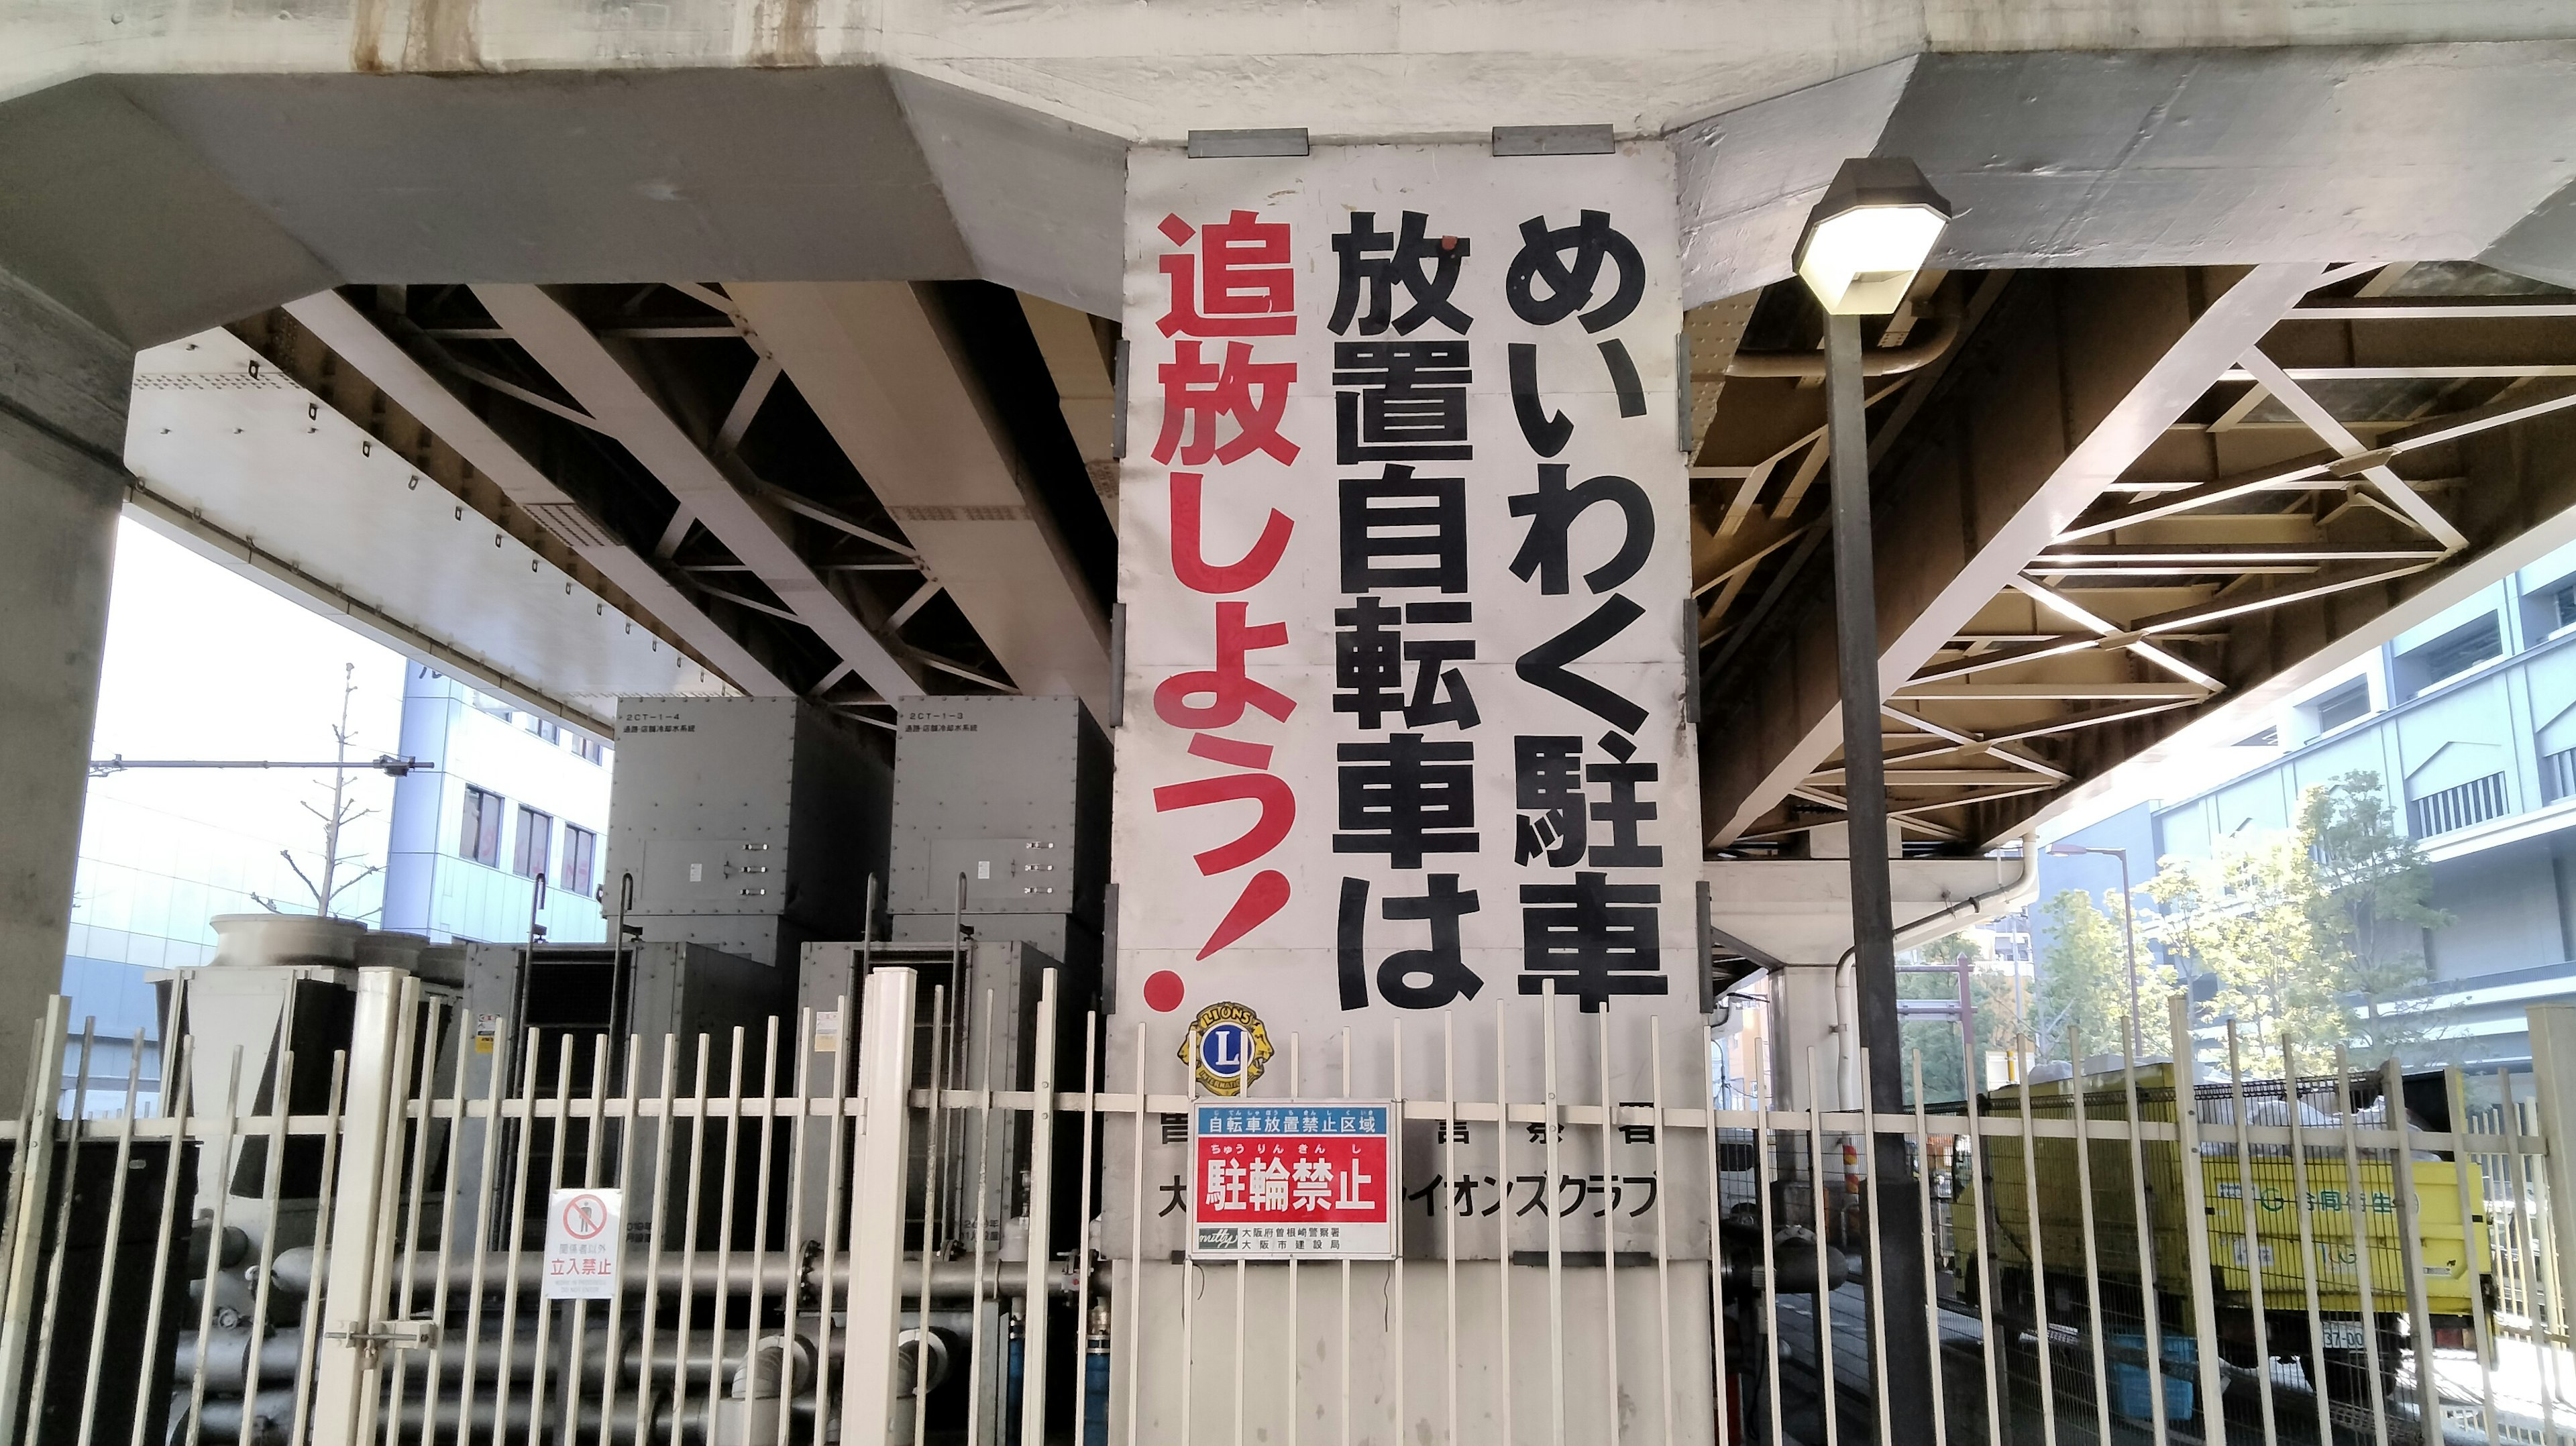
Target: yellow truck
2455, 1262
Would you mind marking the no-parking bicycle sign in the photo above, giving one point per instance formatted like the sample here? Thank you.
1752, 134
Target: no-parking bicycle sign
583, 1234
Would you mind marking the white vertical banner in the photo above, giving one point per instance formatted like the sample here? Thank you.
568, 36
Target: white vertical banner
1404, 548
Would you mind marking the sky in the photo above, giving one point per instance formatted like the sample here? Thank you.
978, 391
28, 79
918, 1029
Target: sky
202, 663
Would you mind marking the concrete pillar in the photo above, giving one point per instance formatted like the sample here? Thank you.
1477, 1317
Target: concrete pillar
63, 387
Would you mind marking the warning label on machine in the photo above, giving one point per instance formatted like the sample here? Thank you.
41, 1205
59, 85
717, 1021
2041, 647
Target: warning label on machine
583, 1234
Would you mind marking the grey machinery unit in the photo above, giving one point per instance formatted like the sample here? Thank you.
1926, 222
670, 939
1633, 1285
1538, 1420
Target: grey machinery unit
1013, 795
748, 825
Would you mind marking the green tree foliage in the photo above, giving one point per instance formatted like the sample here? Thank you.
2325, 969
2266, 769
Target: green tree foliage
1990, 993
2311, 933
2083, 993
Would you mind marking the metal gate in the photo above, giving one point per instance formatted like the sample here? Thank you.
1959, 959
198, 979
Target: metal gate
828, 1235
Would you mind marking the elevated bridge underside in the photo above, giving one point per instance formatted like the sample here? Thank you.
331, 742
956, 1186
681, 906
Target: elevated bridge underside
774, 342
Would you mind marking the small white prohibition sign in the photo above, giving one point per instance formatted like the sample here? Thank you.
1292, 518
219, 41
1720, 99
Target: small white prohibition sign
584, 1216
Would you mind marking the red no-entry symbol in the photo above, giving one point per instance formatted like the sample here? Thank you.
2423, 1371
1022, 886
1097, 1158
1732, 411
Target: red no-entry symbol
584, 1216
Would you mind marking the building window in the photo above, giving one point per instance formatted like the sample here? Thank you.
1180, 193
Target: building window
545, 728
2558, 774
536, 840
2347, 704
591, 749
2457, 807
581, 847
481, 838
2450, 655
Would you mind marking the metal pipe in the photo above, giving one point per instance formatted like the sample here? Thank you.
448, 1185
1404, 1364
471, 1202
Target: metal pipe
1929, 341
1909, 1349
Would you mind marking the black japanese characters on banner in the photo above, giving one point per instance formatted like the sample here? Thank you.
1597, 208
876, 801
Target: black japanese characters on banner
1432, 633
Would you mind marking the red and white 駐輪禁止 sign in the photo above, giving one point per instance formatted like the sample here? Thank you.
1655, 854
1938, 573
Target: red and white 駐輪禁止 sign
1291, 1177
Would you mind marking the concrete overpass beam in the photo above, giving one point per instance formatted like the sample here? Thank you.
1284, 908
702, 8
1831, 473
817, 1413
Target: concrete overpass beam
877, 363
2072, 377
627, 411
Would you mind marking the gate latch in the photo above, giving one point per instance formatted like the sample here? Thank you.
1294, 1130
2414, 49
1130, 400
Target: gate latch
372, 1341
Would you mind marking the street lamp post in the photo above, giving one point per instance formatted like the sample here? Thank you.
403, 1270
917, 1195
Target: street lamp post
2128, 926
1859, 253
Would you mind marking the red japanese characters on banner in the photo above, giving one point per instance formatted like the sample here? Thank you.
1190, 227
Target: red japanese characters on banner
1218, 411
1291, 1177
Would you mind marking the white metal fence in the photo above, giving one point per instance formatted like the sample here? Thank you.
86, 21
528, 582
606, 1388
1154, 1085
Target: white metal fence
860, 1239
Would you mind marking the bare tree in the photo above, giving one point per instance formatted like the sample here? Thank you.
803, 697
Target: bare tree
343, 812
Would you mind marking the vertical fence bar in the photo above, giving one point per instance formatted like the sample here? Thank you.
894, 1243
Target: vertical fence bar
2249, 1233
1083, 1244
1663, 1239
418, 1093
1609, 1240
2355, 1211
2092, 1245
314, 1301
760, 1225
878, 1167
114, 1235
2461, 1164
1503, 1375
1035, 1337
721, 1327
935, 1148
72, 1131
1395, 1207
2543, 1279
2195, 1214
486, 1223
1877, 1274
2045, 1343
1762, 1176
2315, 1263
628, 1081
1550, 1124
1449, 1205
20, 1236
222, 1175
178, 1100
844, 1039
1823, 1299
343, 1377
1727, 1427
975, 1345
1131, 1309
1989, 1219
1923, 1204
558, 1147
518, 1223
2410, 1249
2151, 1307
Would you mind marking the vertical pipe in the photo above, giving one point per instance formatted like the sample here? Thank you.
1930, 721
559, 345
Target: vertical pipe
2356, 1199
1865, 802
1036, 1338
877, 1171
